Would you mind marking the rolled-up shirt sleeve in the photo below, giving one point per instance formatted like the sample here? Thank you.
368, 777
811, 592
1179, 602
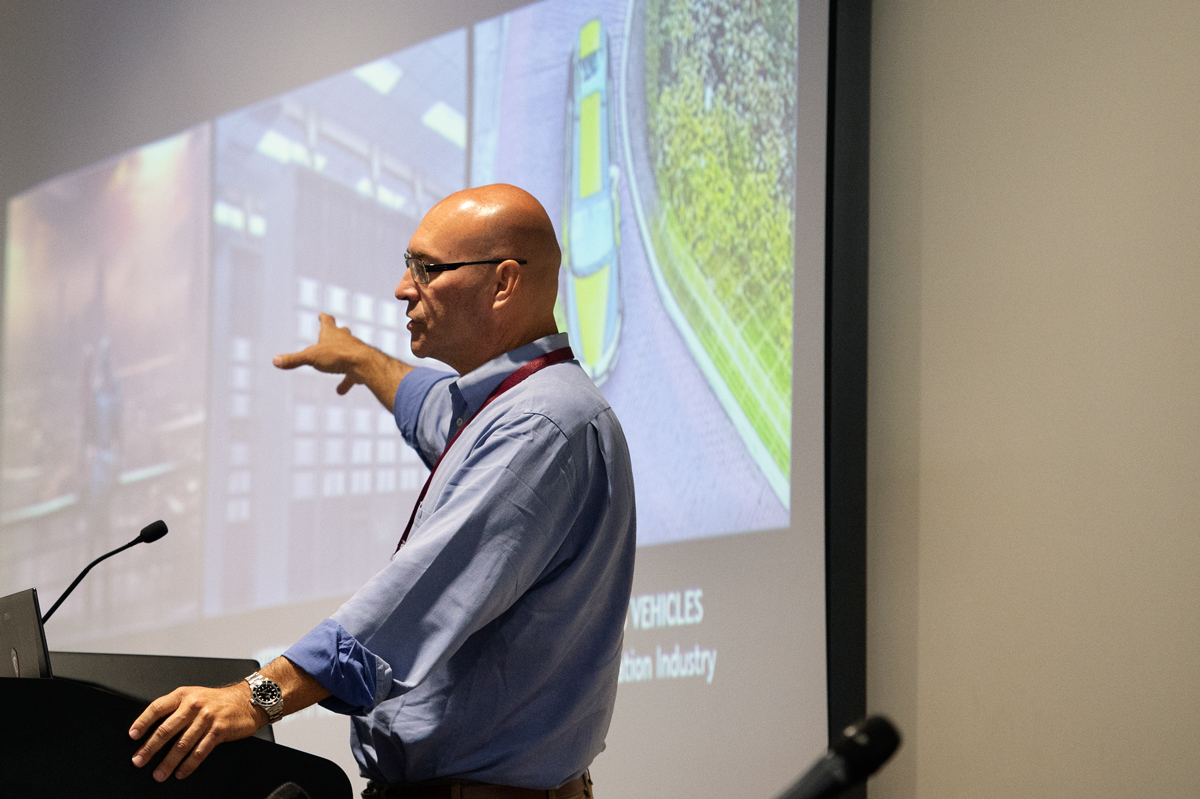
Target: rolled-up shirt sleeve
422, 411
344, 667
499, 524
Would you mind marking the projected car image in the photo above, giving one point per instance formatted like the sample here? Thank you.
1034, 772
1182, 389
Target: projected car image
590, 287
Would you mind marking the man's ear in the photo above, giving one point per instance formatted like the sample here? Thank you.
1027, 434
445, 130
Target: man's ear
508, 277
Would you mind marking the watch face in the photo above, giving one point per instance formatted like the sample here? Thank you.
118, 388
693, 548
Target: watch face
266, 693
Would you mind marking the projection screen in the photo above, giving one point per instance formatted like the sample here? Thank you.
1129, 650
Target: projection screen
680, 148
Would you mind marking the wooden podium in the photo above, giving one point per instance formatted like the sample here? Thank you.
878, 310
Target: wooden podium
62, 737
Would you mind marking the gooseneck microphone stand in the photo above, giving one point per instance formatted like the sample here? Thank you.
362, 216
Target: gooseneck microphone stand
149, 534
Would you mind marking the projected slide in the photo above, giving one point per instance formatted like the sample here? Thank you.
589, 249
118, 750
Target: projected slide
667, 165
678, 146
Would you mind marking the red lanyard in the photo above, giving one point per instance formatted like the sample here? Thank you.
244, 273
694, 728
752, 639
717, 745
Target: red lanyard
549, 359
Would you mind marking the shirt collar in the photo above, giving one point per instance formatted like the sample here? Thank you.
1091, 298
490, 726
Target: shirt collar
471, 390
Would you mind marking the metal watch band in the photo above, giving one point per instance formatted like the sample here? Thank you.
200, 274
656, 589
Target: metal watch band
267, 694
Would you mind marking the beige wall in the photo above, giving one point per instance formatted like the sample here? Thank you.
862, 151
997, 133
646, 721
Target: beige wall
1034, 405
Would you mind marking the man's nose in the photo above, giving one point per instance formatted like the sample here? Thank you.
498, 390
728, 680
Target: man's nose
407, 287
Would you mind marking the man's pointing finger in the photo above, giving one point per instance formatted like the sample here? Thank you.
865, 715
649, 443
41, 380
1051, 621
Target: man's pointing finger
291, 360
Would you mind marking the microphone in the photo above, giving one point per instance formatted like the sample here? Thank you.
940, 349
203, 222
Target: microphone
289, 790
149, 534
856, 754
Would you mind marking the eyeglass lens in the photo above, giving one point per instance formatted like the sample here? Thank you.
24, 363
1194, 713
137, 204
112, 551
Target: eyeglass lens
418, 268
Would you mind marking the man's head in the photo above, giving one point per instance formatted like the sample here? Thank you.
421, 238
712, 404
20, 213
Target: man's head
469, 315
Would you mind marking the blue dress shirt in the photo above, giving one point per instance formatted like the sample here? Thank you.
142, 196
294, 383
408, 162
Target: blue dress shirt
488, 649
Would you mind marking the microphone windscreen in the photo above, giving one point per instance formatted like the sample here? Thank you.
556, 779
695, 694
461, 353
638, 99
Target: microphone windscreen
866, 745
289, 790
153, 531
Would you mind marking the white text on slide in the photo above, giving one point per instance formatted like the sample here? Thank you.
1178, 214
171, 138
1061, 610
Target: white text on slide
694, 662
668, 609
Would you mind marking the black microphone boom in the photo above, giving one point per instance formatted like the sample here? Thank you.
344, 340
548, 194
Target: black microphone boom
149, 534
857, 753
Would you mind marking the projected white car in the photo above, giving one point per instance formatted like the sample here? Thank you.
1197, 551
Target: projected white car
589, 290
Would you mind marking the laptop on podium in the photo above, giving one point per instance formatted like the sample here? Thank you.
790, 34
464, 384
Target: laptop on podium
22, 638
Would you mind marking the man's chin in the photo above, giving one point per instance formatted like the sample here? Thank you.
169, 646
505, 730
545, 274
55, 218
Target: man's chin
419, 350
416, 338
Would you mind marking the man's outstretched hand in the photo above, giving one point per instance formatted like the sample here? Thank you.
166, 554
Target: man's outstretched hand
339, 352
202, 718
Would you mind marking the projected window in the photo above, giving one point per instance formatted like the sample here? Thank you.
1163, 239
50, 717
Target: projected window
338, 174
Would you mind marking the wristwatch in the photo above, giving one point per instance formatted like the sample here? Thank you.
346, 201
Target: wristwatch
266, 694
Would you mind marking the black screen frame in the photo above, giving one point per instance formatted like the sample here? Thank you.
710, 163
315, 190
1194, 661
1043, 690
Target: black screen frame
846, 219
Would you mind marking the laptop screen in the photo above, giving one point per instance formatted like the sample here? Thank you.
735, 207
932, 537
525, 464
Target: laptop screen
22, 641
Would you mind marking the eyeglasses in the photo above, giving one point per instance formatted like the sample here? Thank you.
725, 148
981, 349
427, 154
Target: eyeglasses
422, 269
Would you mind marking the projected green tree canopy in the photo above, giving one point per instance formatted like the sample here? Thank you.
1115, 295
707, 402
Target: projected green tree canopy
721, 103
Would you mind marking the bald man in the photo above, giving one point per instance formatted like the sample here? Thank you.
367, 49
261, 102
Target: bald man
482, 660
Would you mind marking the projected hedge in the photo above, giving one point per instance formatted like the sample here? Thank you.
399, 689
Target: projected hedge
721, 119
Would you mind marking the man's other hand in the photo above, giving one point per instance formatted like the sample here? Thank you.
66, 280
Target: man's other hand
201, 718
339, 352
